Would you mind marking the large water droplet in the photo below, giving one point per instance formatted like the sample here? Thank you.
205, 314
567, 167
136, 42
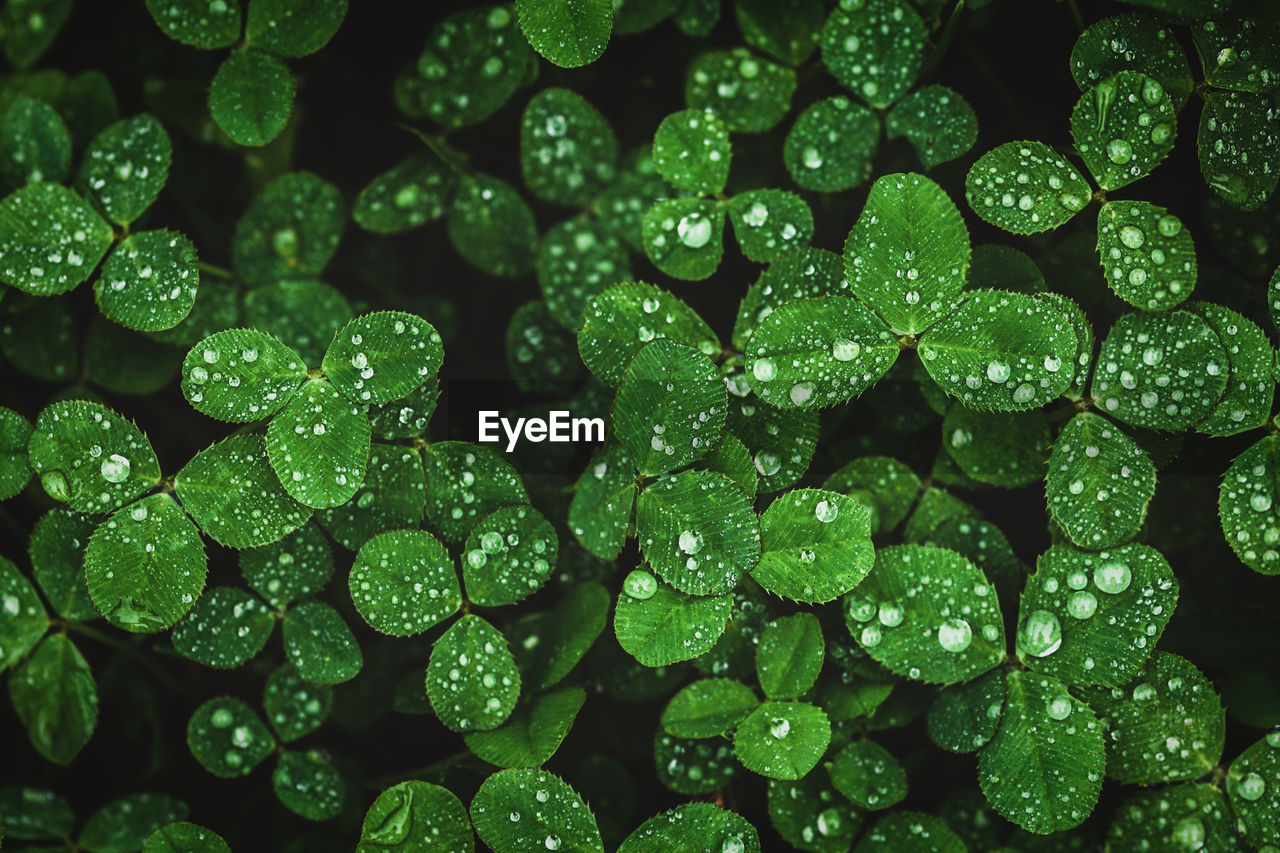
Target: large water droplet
1041, 634
1112, 577
640, 585
115, 468
955, 635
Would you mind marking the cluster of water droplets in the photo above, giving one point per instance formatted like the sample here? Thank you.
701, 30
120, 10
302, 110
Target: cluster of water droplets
1148, 257
403, 582
1026, 185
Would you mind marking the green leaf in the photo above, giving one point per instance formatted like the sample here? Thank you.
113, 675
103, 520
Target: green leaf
1050, 194
492, 227
542, 355
407, 417
577, 259
1238, 155
694, 826
28, 28
927, 613
875, 49
568, 152
868, 775
293, 707
659, 625
50, 239
293, 27
226, 628
1160, 371
392, 496
217, 307
1249, 506
781, 442
600, 513
308, 785
1004, 268
127, 362
1099, 483
1147, 257
1166, 725
768, 223
149, 281
1246, 404
562, 635
1236, 52
416, 817
228, 738
1009, 450
126, 166
533, 733
684, 237
23, 620
698, 531
185, 838
908, 830
731, 458
789, 656
465, 483
549, 814
749, 94
694, 767
303, 313
1176, 817
908, 216
1253, 794
290, 569
472, 680
811, 815
568, 33
38, 336
403, 582
782, 740
123, 825
54, 696
205, 24
625, 317
509, 556
380, 357
290, 230
1132, 42
831, 145
34, 144
695, 17
622, 205
788, 30
1123, 128
409, 194
251, 97
1001, 351
691, 150
937, 121
319, 445
320, 644
56, 548
145, 565
15, 435
35, 814
815, 545
885, 487
963, 717
1094, 618
1043, 769
708, 708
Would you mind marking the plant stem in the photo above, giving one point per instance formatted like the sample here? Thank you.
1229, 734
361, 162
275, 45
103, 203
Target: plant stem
216, 271
130, 651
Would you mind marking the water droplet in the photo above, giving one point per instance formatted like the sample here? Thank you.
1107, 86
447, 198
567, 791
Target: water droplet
690, 542
115, 468
1082, 605
1169, 225
780, 727
1132, 236
826, 511
1119, 151
845, 350
694, 231
955, 635
1041, 634
1112, 577
1252, 787
1059, 707
640, 585
998, 372
763, 369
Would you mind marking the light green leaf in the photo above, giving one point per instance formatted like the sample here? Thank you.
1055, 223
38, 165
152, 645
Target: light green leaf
1132, 42
918, 832
1147, 257
293, 707
1165, 725
1094, 618
1051, 193
226, 628
1236, 51
549, 814
1249, 506
410, 193
875, 49
319, 445
691, 150
600, 513
123, 825
416, 817
908, 216
1160, 371
929, 614
815, 545
768, 223
811, 815
206, 24
149, 281
1005, 449
35, 145
1084, 342
831, 144
293, 27
308, 785
963, 717
937, 121
392, 496
698, 531
126, 166
533, 733
303, 313
56, 548
290, 569
788, 30
1175, 818
659, 625
185, 838
1251, 385
1099, 483
145, 565
731, 458
403, 582
1253, 793
577, 259
251, 97
868, 775
23, 620
1239, 157
509, 555
568, 33
228, 738
472, 680
15, 435
782, 740
54, 696
290, 230
492, 228
885, 487
568, 152
380, 357
1043, 769
1123, 128
789, 656
694, 826
625, 317
465, 483
320, 645
50, 239
708, 708
684, 237
1001, 351
748, 93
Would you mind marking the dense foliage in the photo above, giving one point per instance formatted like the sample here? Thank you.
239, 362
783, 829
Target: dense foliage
939, 506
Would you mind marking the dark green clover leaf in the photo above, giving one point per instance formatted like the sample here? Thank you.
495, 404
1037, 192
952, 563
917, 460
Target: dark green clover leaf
23, 620
15, 436
815, 545
145, 565
1249, 506
35, 144
781, 442
35, 814
1132, 42
694, 826
290, 229
659, 625
1001, 351
908, 830
465, 483
1238, 50
789, 656
403, 582
963, 717
568, 33
549, 814
684, 237
886, 487
749, 94
600, 513
293, 27
320, 645
788, 30
1147, 256
295, 708
126, 166
1025, 187
304, 314
1239, 156
874, 48
407, 417
54, 696
564, 634
149, 281
696, 17
1252, 790
623, 318
691, 150
56, 549
492, 227
184, 837
285, 571
568, 152
416, 817
534, 731
708, 708
126, 823
1094, 618
27, 29
206, 24
392, 496
1099, 483
319, 445
382, 356
1177, 817
811, 815
576, 260
908, 253
228, 738
731, 458
542, 355
769, 223
1123, 128
1246, 404
830, 146
622, 205
251, 97
782, 740
226, 628
50, 239
1004, 268
508, 557
38, 336
308, 785
472, 680
868, 775
937, 121
694, 767
412, 192
1005, 449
